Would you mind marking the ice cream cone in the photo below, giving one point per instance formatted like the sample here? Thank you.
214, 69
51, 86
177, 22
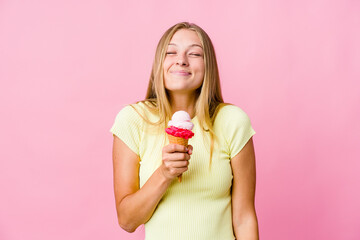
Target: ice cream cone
179, 130
180, 141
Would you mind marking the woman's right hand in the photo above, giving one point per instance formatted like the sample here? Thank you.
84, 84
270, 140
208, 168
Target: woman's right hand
175, 160
129, 196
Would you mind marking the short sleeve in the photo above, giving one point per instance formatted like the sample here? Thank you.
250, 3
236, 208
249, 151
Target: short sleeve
237, 129
127, 127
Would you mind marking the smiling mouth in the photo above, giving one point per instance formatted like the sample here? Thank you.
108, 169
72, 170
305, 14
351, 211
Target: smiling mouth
180, 73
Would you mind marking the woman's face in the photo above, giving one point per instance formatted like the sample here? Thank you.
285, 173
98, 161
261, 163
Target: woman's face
184, 62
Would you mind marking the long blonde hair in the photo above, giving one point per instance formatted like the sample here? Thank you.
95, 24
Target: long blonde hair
209, 98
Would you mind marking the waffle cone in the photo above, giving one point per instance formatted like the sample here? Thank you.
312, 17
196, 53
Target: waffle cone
178, 140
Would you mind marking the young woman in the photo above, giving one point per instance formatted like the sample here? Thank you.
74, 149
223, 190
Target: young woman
215, 199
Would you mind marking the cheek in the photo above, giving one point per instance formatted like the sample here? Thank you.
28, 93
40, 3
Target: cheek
166, 64
201, 66
202, 69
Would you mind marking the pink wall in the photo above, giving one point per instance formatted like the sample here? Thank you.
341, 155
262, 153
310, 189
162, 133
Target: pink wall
67, 68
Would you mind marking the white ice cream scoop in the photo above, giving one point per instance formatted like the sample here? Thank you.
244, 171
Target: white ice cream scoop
181, 119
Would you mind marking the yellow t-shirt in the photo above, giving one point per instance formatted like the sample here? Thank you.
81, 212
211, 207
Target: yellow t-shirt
200, 206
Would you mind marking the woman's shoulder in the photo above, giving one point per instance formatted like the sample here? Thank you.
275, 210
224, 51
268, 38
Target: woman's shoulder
233, 121
139, 111
126, 114
140, 107
230, 112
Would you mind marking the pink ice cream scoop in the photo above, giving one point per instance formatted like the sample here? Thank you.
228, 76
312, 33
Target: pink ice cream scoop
180, 125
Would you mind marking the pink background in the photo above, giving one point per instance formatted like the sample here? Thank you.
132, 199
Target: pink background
68, 67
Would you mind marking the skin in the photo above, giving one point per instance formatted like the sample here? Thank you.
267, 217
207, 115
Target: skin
135, 205
245, 222
184, 53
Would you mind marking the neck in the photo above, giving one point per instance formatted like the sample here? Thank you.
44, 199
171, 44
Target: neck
184, 102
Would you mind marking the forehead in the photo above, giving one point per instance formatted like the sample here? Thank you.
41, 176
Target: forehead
185, 37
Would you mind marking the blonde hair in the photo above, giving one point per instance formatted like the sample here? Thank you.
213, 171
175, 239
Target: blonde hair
208, 97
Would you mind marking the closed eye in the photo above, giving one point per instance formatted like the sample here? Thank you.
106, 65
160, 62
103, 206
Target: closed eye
171, 53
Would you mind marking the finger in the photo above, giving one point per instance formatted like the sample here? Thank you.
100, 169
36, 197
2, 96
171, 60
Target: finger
175, 148
177, 164
182, 170
177, 156
178, 171
190, 149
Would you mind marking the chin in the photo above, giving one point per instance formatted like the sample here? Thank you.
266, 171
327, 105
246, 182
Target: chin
180, 90
182, 85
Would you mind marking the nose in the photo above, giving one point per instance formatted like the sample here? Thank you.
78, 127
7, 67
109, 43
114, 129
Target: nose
182, 60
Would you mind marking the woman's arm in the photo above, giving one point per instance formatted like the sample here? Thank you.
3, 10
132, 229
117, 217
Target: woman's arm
243, 194
135, 206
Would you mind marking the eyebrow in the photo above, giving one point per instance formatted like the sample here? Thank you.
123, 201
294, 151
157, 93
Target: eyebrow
192, 45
